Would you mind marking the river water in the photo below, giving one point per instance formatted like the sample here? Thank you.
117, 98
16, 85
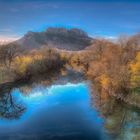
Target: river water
63, 112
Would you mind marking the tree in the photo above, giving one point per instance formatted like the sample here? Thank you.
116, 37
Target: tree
9, 108
135, 71
8, 53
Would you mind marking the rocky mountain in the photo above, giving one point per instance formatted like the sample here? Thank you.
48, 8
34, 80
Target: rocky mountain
61, 38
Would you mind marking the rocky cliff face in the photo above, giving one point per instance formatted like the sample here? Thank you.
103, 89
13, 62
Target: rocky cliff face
61, 38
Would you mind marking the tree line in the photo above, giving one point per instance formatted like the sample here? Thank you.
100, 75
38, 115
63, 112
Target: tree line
17, 63
113, 66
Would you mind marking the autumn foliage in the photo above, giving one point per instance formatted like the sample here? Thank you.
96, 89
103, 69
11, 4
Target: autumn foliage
135, 71
25, 65
112, 66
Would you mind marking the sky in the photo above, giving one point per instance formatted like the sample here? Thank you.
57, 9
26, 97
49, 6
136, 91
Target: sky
105, 18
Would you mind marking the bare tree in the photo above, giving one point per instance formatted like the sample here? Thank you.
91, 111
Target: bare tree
8, 52
9, 108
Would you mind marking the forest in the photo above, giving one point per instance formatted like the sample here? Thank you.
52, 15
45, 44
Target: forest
112, 66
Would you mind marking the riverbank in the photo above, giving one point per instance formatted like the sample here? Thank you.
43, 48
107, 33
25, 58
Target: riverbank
111, 66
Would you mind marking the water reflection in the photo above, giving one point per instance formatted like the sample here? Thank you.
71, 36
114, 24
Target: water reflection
9, 108
53, 113
122, 122
64, 112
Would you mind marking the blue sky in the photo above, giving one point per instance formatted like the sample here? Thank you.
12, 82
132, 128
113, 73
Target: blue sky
97, 17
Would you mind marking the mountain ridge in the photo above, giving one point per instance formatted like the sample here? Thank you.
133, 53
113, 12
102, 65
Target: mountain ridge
61, 38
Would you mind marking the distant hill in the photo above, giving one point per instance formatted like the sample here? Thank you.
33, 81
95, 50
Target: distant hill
61, 38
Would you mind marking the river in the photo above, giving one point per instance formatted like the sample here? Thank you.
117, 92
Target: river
64, 112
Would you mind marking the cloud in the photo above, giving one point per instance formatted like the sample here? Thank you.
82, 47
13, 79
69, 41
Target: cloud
37, 5
14, 10
8, 38
7, 35
46, 5
5, 30
110, 37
